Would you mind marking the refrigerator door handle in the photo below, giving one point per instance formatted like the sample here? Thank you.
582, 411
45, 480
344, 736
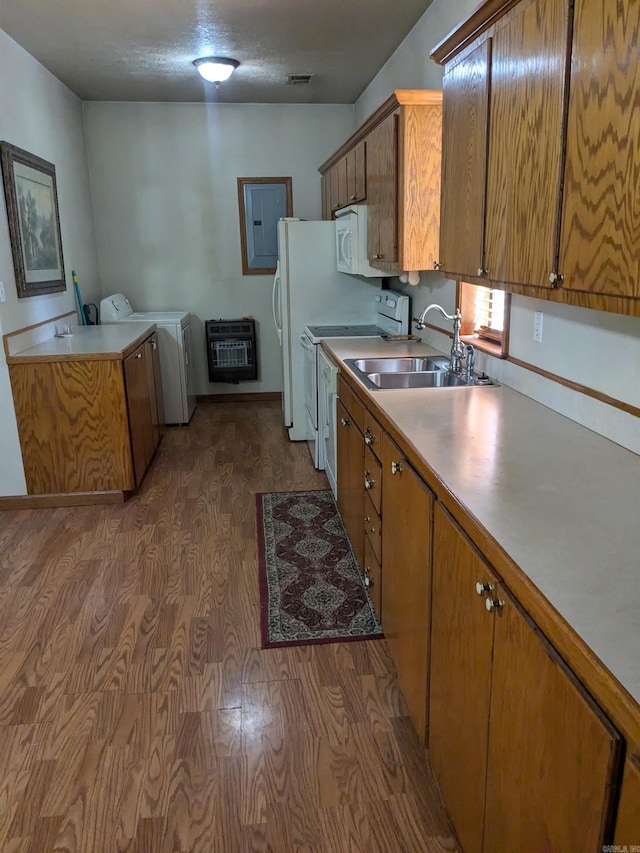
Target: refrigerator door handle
276, 303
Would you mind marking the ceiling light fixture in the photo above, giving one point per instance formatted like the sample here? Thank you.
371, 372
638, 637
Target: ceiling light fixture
215, 69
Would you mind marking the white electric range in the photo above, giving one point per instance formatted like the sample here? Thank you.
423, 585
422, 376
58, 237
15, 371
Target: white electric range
320, 375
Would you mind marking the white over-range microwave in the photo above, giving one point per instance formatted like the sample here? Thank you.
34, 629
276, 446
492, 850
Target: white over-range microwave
351, 242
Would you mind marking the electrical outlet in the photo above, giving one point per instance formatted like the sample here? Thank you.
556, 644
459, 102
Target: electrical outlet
3, 295
538, 317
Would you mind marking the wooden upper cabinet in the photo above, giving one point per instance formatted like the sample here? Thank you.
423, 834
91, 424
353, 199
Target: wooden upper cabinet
465, 113
393, 163
338, 185
356, 160
525, 142
563, 156
600, 241
382, 184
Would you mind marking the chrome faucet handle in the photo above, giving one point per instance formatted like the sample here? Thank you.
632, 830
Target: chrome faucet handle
471, 362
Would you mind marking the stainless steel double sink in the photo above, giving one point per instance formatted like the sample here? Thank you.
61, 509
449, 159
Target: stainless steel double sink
412, 372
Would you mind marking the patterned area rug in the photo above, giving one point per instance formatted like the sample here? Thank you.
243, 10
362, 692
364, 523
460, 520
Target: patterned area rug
310, 588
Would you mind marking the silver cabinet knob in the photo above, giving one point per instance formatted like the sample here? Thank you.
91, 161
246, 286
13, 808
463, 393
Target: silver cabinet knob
368, 482
345, 421
396, 468
556, 278
482, 272
437, 265
369, 437
138, 355
493, 604
482, 588
367, 578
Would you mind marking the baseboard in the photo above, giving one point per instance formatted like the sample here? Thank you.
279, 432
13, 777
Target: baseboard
61, 499
257, 397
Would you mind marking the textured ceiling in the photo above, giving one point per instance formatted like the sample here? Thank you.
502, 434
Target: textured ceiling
142, 50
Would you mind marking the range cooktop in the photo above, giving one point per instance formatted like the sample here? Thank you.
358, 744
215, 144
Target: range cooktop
350, 331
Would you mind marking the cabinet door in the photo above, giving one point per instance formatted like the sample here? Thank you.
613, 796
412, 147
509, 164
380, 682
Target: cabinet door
525, 143
464, 162
154, 384
325, 189
628, 821
407, 506
350, 485
460, 682
552, 753
338, 179
356, 173
139, 408
382, 191
599, 249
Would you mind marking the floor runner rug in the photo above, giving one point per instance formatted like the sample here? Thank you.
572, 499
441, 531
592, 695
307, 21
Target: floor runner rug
310, 588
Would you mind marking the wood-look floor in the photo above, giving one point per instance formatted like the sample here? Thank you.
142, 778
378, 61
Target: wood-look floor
137, 711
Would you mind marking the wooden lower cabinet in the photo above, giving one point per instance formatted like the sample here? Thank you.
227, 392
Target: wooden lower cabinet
141, 370
373, 577
407, 506
88, 424
349, 478
628, 820
524, 757
460, 684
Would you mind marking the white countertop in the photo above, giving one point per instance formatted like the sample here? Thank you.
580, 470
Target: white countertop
108, 341
562, 501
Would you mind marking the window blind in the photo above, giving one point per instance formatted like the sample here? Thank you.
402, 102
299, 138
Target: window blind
489, 313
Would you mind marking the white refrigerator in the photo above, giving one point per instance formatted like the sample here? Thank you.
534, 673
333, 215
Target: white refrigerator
308, 289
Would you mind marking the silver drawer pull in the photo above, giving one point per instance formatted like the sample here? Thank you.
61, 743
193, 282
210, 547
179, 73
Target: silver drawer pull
368, 482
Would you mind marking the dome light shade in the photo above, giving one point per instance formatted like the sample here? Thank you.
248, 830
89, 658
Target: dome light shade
215, 69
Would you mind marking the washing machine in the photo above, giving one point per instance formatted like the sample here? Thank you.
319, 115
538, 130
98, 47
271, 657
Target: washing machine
176, 349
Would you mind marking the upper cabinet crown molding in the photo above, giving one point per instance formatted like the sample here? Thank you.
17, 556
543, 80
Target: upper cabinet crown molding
399, 98
477, 24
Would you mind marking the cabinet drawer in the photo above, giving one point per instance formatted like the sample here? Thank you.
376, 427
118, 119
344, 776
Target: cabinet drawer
372, 478
372, 433
351, 403
372, 528
373, 575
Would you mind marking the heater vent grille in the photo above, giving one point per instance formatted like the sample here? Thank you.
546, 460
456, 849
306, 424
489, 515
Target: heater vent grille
299, 79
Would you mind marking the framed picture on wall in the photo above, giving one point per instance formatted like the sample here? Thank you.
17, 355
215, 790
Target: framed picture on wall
34, 222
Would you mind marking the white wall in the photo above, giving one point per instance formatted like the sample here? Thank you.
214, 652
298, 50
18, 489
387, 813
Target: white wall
165, 199
39, 114
593, 348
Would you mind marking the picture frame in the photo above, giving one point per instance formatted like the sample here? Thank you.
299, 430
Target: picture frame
262, 202
31, 197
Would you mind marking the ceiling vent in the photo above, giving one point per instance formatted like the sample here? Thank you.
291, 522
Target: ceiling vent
298, 79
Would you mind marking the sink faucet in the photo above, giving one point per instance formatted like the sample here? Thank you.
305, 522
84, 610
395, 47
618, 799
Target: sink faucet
457, 347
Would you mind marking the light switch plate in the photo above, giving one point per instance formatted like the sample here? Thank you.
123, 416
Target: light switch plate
3, 295
538, 318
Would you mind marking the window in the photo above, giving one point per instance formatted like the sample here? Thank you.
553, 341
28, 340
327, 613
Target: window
485, 317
